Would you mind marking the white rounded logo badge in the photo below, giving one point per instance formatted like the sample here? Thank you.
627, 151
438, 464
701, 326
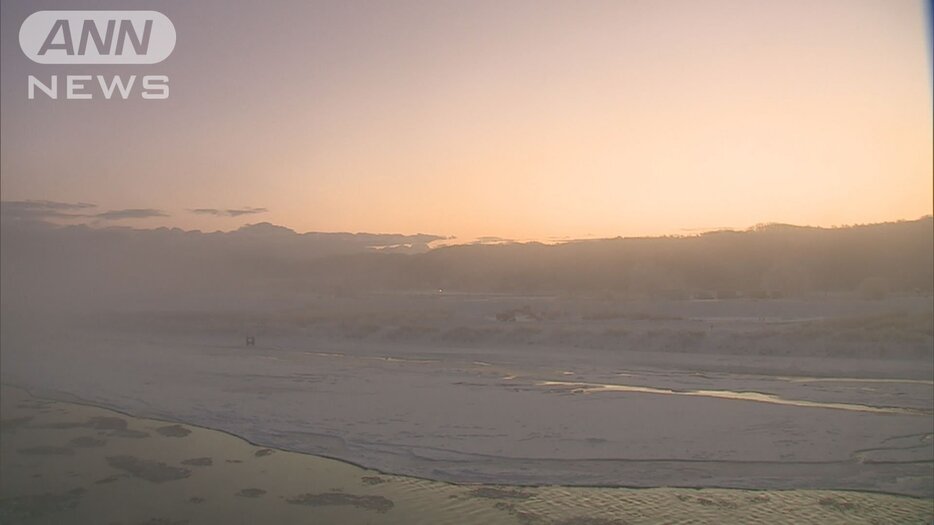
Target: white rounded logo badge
97, 37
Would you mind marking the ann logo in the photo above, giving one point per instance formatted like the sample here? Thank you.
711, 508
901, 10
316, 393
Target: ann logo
97, 37
60, 38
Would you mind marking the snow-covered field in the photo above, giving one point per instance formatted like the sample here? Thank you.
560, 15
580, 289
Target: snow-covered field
549, 393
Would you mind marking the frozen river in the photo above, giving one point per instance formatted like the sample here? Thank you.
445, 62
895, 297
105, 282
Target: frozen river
516, 414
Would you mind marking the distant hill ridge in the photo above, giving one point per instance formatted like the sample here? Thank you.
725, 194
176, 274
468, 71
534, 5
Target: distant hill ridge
45, 264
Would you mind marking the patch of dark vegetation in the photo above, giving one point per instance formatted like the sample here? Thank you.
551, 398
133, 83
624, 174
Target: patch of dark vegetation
251, 493
14, 510
500, 493
263, 452
43, 450
175, 431
112, 426
108, 479
373, 480
35, 405
837, 504
887, 328
154, 471
63, 425
375, 503
198, 462
87, 442
13, 423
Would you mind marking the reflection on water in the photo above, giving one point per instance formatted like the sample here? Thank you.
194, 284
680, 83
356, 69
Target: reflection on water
67, 463
728, 394
854, 380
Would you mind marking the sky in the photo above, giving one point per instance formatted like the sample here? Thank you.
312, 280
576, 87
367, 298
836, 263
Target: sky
508, 118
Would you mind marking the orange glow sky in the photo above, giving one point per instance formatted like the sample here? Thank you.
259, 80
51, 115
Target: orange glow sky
508, 118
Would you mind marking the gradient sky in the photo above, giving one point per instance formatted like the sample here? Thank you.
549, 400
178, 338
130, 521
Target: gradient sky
520, 119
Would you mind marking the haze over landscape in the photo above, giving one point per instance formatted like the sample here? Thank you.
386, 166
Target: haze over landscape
94, 266
530, 263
